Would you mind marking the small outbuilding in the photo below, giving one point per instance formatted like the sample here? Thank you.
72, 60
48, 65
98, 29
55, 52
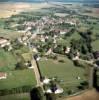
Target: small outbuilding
3, 75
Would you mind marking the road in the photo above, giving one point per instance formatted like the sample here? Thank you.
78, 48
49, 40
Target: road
37, 74
35, 69
86, 61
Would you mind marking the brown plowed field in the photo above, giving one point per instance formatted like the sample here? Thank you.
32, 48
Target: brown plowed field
88, 95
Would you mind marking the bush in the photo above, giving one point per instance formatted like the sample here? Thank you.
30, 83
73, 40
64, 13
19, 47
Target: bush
76, 63
80, 87
22, 89
69, 92
20, 65
62, 61
37, 94
84, 83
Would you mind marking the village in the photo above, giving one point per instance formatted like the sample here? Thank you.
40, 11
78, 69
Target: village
47, 42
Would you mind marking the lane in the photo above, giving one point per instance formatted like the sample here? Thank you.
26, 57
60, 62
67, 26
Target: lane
37, 75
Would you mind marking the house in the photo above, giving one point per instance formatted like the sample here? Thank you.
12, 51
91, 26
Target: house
3, 75
4, 42
28, 33
75, 58
24, 38
62, 32
54, 41
49, 51
56, 89
67, 50
46, 81
35, 50
42, 38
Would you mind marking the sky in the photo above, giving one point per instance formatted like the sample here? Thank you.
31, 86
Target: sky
44, 0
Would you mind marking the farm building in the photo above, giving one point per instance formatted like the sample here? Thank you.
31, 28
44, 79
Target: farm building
3, 75
4, 42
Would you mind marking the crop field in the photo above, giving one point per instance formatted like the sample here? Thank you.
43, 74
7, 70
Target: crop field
17, 79
66, 72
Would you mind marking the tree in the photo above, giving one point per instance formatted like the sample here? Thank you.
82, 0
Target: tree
84, 49
76, 63
37, 94
50, 96
6, 48
89, 32
20, 65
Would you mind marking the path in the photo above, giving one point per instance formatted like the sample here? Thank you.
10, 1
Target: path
35, 68
86, 61
37, 75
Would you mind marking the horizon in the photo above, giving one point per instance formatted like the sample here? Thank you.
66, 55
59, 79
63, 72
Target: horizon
41, 1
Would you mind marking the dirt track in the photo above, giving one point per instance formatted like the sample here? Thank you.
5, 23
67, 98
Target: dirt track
89, 95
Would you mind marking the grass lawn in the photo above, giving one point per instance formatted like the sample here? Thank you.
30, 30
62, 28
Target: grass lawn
18, 78
21, 96
27, 56
64, 71
7, 61
11, 34
22, 50
65, 42
95, 45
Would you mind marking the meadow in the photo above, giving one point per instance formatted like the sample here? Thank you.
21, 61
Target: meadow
7, 61
18, 78
65, 72
21, 96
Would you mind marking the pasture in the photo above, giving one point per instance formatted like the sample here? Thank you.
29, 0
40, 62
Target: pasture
7, 61
18, 78
21, 96
66, 72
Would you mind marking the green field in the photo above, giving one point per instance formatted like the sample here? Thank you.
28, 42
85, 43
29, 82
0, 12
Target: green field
95, 45
66, 42
10, 34
22, 96
18, 78
27, 56
7, 61
63, 71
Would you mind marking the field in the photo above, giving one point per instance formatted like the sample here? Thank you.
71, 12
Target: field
10, 34
88, 95
27, 56
68, 39
66, 72
7, 61
18, 78
8, 9
94, 13
21, 96
95, 45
